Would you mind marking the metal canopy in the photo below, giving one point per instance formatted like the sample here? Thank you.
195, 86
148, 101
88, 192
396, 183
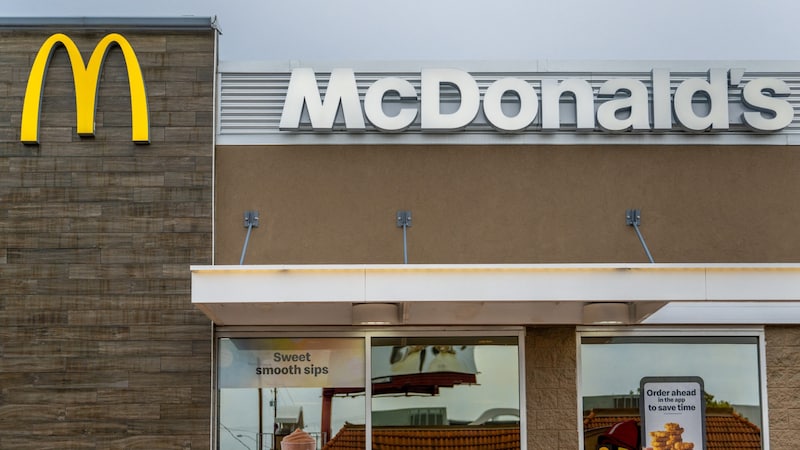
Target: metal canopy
506, 294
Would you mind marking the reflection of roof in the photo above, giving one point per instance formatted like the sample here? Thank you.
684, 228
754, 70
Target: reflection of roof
417, 383
351, 437
725, 429
421, 383
493, 413
289, 414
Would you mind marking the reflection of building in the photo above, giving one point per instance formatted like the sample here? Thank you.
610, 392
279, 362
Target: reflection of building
410, 417
289, 419
611, 401
725, 428
750, 412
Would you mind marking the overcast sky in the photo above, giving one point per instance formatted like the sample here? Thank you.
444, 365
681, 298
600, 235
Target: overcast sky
471, 30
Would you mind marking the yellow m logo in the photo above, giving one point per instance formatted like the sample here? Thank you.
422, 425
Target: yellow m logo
86, 78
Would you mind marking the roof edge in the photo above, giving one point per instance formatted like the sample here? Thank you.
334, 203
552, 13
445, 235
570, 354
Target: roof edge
187, 23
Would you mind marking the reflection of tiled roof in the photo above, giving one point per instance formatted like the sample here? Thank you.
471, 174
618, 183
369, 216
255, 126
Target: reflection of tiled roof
351, 437
725, 429
732, 433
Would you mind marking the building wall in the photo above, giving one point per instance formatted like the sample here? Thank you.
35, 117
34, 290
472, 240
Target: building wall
542, 204
508, 204
783, 385
100, 347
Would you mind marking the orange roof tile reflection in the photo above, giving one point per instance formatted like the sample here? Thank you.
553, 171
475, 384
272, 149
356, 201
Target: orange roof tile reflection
351, 437
725, 428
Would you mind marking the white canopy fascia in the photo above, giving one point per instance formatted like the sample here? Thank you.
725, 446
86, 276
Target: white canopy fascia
499, 294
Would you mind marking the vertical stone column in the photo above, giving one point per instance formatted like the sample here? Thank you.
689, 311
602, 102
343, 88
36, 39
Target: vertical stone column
783, 386
100, 346
551, 385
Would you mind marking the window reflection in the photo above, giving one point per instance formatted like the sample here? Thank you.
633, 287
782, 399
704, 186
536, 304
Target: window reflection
270, 387
426, 392
462, 391
612, 368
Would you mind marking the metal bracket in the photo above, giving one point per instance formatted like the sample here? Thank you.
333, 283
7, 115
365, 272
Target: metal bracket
633, 218
251, 219
250, 222
403, 219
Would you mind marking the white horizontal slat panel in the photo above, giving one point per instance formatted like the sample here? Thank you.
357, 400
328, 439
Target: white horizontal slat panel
251, 101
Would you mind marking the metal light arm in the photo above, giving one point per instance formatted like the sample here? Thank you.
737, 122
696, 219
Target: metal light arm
633, 217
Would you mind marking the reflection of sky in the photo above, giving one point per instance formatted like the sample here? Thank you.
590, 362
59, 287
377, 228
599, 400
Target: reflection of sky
239, 412
729, 371
498, 381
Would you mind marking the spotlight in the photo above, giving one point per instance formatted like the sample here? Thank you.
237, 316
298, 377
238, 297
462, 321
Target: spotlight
375, 313
606, 314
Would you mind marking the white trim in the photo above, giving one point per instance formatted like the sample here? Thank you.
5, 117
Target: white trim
214, 428
496, 282
214, 403
215, 126
762, 355
583, 67
667, 331
523, 393
579, 390
367, 392
495, 138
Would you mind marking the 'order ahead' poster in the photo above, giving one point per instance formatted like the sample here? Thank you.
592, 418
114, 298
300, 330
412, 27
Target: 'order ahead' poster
673, 413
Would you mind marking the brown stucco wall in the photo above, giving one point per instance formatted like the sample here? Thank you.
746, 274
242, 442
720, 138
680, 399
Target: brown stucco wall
508, 204
783, 385
100, 347
551, 388
514, 204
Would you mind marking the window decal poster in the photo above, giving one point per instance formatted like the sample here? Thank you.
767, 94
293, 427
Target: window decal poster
673, 413
288, 362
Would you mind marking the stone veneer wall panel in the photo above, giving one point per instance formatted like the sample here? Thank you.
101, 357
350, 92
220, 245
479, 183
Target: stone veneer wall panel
783, 385
551, 385
100, 346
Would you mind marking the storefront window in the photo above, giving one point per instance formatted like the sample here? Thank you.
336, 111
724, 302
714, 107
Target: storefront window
458, 391
425, 391
269, 387
726, 368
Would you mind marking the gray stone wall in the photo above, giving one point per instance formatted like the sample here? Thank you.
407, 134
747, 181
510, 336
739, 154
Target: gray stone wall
100, 347
783, 385
551, 385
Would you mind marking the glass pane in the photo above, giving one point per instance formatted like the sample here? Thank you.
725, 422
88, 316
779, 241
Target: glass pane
269, 388
728, 369
453, 392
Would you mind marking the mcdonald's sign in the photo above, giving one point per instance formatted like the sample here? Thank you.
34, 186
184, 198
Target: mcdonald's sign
86, 79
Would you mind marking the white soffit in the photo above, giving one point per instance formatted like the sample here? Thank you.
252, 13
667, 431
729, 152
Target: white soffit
727, 313
499, 294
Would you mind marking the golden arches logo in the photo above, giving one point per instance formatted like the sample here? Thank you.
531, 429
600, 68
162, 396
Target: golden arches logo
86, 79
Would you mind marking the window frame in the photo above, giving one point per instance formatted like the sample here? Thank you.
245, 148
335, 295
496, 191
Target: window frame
756, 332
367, 333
